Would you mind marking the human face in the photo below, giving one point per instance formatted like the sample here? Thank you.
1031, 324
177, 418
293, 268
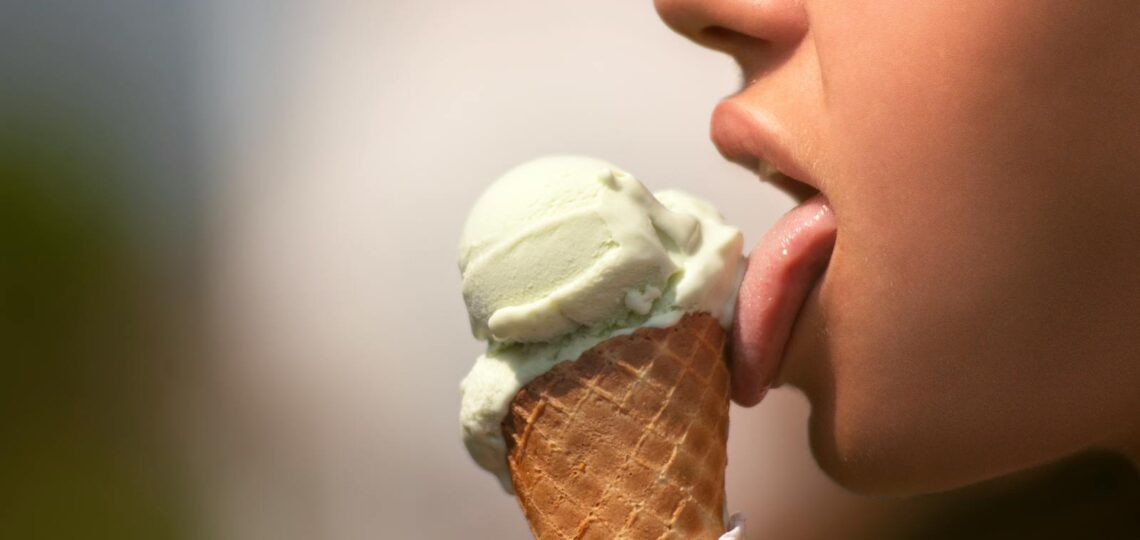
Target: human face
980, 310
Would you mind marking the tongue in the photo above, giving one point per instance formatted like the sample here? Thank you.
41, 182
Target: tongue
782, 269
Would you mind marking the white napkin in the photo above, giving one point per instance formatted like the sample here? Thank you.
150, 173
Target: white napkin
735, 528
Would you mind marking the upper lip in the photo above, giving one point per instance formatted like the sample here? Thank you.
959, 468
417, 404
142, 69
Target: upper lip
757, 141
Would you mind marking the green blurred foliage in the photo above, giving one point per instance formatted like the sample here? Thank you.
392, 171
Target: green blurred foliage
80, 432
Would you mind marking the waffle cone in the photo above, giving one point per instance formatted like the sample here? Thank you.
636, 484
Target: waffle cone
629, 440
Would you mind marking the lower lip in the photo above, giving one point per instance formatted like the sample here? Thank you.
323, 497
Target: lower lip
782, 270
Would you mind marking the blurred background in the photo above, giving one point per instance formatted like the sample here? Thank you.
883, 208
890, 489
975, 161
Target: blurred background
230, 302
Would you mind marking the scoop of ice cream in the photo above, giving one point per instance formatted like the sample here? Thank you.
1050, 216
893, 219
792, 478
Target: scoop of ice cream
562, 243
561, 253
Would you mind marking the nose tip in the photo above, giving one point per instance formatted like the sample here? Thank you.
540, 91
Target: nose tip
726, 24
680, 15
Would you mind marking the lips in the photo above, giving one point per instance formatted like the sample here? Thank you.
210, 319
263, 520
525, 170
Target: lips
787, 263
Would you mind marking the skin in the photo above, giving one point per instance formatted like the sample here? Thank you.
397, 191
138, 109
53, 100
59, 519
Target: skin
981, 310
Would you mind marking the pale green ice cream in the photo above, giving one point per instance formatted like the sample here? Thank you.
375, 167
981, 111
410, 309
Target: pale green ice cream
562, 253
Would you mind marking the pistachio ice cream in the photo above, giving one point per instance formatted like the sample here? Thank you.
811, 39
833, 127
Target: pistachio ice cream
562, 253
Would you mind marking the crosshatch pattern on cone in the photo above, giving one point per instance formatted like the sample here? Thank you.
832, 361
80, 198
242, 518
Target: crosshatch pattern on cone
627, 441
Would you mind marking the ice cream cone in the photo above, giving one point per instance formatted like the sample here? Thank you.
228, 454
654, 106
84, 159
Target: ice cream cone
627, 441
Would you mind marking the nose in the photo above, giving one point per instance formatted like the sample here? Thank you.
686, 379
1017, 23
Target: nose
749, 30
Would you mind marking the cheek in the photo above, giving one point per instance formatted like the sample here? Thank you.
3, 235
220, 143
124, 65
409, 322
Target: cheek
1000, 91
933, 352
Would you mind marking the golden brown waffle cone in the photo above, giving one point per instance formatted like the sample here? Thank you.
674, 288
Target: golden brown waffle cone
629, 440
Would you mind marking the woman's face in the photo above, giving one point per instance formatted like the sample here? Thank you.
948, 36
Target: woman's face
981, 309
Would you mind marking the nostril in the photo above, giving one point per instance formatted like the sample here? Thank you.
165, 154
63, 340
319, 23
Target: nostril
724, 39
718, 33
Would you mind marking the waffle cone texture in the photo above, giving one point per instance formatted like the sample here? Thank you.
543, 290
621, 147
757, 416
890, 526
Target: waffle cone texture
629, 440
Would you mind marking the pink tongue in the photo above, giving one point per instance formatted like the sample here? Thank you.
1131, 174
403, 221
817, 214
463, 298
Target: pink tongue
782, 269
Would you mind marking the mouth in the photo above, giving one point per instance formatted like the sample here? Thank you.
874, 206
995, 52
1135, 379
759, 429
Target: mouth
787, 263
756, 141
797, 189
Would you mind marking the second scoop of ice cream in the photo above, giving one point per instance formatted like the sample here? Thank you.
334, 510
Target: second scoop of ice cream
562, 253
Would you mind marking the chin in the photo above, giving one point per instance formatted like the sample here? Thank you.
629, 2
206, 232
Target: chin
855, 469
873, 457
